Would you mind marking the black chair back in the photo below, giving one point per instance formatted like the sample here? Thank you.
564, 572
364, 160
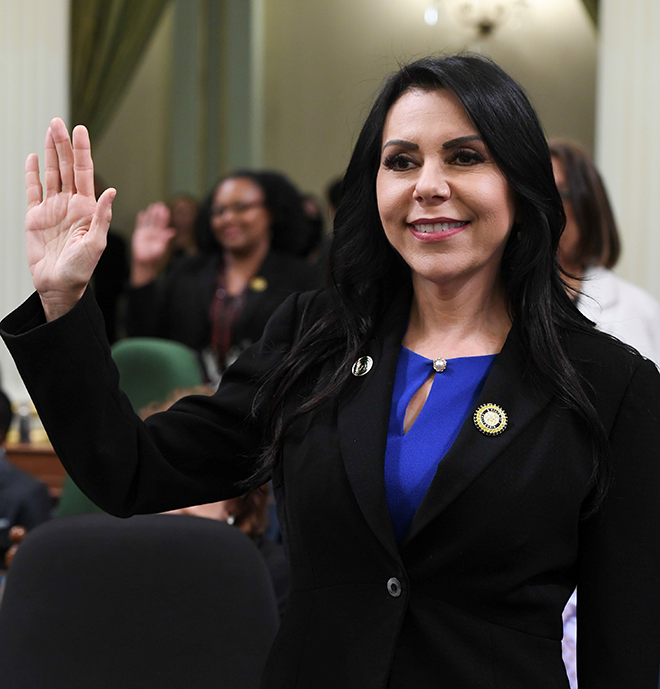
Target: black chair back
158, 601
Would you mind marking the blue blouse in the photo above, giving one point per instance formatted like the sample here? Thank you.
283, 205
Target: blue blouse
412, 458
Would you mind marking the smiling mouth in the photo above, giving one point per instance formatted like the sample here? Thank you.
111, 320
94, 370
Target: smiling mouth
439, 227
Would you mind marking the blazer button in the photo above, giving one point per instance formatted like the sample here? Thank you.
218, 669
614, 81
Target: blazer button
394, 587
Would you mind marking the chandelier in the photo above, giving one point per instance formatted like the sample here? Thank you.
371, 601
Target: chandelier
482, 17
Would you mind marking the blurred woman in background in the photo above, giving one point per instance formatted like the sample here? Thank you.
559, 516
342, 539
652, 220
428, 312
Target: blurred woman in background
590, 248
183, 217
217, 301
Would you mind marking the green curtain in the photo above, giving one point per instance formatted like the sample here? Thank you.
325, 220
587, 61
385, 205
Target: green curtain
592, 9
108, 38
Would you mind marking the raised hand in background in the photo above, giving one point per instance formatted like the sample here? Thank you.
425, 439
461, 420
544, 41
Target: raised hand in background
150, 243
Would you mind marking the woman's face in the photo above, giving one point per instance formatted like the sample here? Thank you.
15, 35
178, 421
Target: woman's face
444, 204
569, 243
239, 218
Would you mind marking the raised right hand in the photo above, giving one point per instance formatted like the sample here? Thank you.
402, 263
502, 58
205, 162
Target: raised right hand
65, 231
150, 243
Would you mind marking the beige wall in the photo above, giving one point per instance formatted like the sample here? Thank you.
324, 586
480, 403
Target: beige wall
324, 60
628, 132
34, 58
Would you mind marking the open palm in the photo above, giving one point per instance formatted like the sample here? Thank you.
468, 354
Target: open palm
66, 228
152, 235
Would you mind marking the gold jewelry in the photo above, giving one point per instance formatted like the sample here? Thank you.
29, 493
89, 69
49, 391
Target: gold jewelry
490, 419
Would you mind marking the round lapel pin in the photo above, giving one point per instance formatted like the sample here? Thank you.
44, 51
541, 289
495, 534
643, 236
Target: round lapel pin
362, 366
258, 283
490, 419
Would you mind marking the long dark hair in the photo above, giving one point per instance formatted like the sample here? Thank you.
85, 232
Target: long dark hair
599, 243
289, 225
367, 274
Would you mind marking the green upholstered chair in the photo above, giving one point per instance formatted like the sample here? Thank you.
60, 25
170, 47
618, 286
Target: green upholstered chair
150, 370
74, 501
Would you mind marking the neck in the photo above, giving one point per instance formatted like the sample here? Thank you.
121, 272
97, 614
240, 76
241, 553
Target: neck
457, 322
240, 268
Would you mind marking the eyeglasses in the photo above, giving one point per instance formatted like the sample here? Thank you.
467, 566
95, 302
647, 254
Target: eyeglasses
237, 208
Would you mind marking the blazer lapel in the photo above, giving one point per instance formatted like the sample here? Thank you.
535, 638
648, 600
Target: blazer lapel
363, 418
509, 386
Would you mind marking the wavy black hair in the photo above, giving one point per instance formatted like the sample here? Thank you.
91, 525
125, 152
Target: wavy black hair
289, 224
367, 274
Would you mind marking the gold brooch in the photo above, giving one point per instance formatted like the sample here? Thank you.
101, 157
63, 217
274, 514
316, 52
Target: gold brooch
258, 283
490, 419
362, 366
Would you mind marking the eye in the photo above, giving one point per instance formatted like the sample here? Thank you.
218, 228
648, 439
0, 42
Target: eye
398, 162
466, 157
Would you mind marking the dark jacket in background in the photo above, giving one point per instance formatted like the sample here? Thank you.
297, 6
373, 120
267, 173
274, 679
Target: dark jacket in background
177, 305
109, 282
24, 501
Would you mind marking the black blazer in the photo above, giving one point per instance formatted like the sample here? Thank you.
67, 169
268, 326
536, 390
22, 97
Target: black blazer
473, 598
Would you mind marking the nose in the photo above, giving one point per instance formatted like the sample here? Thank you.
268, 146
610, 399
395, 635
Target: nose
432, 185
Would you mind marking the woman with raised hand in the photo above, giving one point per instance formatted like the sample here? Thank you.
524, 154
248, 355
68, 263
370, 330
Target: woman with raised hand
218, 300
453, 446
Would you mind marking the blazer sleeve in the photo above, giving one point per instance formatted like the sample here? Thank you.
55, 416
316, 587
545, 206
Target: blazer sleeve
198, 451
619, 570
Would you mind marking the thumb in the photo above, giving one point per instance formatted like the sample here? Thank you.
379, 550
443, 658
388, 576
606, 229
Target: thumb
102, 216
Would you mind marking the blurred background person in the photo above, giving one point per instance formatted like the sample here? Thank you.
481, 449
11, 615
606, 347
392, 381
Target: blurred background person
316, 221
333, 195
111, 274
250, 231
590, 248
24, 500
183, 216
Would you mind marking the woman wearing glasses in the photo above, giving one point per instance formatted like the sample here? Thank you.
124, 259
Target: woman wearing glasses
219, 300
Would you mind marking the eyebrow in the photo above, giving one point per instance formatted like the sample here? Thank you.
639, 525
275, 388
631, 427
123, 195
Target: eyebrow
409, 145
461, 140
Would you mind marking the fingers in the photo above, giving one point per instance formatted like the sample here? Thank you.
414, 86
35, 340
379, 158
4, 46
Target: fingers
140, 220
33, 188
100, 224
158, 215
83, 166
155, 216
60, 136
51, 166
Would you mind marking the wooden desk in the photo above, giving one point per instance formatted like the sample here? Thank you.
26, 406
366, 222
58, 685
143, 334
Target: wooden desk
40, 461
